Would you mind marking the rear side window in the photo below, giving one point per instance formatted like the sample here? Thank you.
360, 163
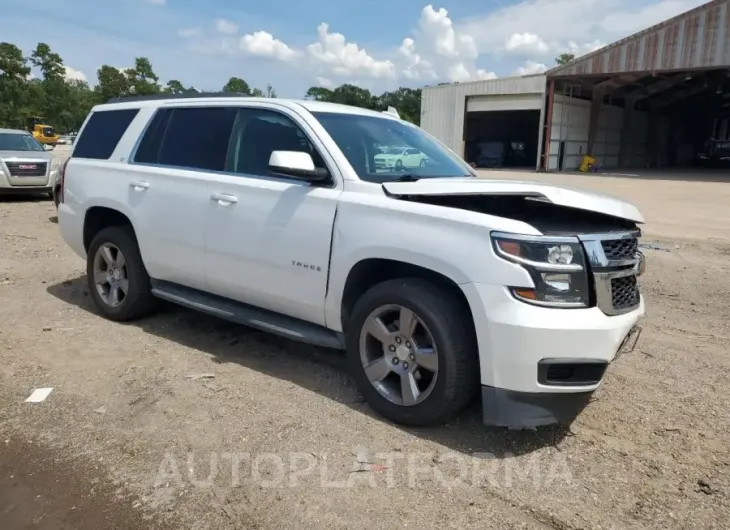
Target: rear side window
195, 137
102, 133
148, 150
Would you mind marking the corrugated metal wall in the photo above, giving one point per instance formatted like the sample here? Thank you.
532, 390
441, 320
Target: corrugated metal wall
699, 38
443, 107
570, 127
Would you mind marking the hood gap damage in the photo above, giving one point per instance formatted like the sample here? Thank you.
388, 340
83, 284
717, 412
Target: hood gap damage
533, 209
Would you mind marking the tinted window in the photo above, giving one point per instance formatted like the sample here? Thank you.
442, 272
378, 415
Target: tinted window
257, 134
148, 150
197, 138
102, 133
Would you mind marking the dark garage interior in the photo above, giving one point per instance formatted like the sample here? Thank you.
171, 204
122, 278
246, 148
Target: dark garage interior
502, 138
688, 114
673, 79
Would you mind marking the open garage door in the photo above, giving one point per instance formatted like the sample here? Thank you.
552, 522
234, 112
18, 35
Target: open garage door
502, 138
668, 123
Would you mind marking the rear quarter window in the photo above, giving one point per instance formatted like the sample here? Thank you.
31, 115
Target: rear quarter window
188, 137
102, 133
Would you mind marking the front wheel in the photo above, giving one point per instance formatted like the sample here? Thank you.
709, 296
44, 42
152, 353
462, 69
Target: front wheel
412, 351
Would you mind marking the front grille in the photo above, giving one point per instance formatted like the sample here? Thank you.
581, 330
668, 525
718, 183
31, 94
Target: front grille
27, 169
616, 263
624, 292
620, 249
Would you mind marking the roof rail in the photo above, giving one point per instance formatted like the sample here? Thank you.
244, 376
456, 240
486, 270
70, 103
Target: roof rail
190, 95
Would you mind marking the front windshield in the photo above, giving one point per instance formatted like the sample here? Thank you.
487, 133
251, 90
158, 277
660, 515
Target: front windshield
384, 149
19, 142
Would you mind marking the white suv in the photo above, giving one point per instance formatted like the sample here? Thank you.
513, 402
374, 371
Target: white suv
438, 284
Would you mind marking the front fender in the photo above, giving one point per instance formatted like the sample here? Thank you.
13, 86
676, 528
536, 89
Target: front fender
454, 243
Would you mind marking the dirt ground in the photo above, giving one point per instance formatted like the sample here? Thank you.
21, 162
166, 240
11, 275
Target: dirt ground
184, 421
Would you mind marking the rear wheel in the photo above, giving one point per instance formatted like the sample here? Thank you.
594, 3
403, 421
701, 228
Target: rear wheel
412, 351
117, 277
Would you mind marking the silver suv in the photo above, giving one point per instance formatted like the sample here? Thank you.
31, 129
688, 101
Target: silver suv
26, 166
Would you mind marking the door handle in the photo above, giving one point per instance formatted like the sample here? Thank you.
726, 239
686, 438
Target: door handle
224, 199
139, 185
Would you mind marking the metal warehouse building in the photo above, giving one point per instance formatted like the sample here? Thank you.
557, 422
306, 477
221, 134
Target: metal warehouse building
659, 98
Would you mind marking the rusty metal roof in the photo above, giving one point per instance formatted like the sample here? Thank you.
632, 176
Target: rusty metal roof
699, 38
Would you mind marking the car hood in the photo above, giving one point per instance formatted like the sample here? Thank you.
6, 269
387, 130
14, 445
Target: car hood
26, 155
562, 196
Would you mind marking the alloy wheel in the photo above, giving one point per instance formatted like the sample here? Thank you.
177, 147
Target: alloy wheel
398, 354
110, 275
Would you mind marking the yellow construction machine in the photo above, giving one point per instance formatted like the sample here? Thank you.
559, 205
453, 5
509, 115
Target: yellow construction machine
42, 132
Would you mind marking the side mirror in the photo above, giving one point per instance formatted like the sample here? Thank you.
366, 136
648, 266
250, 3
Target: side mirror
48, 147
297, 164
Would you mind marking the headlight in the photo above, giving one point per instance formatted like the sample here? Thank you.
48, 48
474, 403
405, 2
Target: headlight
556, 266
55, 164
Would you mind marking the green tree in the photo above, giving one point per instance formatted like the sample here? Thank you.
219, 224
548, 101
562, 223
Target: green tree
406, 100
113, 83
176, 87
52, 98
238, 85
50, 63
142, 79
564, 58
14, 72
318, 93
80, 100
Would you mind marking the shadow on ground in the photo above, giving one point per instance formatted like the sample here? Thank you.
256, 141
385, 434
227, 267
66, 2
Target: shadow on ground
24, 197
316, 369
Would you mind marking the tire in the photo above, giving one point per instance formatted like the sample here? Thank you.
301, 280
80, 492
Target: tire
55, 198
422, 163
138, 300
449, 323
399, 164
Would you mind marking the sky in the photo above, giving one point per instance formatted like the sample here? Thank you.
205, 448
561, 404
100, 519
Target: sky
376, 44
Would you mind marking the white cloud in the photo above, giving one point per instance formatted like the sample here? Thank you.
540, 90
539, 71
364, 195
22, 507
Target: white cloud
436, 52
343, 58
526, 43
263, 44
440, 51
530, 67
587, 47
74, 75
189, 32
226, 27
537, 29
523, 38
324, 82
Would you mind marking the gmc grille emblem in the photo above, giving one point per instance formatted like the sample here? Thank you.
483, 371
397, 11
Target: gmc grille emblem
27, 166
